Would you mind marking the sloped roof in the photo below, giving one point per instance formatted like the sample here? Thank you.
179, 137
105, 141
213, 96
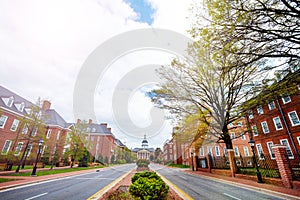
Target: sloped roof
51, 117
5, 93
120, 143
95, 128
139, 149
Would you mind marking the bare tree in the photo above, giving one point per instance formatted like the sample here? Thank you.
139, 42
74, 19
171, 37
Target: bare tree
210, 83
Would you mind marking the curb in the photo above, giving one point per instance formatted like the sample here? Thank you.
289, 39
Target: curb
250, 187
104, 190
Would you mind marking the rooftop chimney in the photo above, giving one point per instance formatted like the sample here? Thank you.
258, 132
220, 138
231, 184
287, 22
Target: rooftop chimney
78, 121
109, 129
46, 105
90, 121
104, 124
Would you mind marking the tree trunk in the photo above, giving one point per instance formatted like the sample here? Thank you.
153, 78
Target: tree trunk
226, 137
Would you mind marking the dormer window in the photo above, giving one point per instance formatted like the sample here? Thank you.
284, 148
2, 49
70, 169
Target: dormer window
28, 110
20, 106
8, 101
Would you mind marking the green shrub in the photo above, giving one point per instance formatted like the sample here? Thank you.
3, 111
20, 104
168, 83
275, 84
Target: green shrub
142, 163
148, 186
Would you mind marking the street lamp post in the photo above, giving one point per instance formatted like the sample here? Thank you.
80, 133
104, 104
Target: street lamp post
192, 160
259, 178
37, 158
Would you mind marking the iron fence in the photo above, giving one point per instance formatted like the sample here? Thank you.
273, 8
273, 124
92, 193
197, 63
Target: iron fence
294, 165
267, 166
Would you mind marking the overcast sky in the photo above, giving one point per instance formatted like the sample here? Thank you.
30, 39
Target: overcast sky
43, 44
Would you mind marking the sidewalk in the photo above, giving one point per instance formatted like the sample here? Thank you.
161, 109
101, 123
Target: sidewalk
24, 180
248, 183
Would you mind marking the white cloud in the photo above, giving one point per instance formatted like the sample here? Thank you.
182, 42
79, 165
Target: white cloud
44, 43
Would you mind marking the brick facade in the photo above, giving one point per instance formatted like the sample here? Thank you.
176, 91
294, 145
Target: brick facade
280, 127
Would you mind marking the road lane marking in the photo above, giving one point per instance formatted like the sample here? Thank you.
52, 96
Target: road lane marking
95, 178
33, 183
105, 189
231, 196
176, 189
36, 196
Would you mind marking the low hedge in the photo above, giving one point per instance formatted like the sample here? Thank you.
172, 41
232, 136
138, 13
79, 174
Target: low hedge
148, 186
142, 163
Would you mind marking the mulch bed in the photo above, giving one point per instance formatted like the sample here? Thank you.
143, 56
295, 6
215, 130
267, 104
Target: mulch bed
120, 191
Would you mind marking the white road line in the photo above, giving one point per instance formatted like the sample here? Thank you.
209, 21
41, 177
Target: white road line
43, 181
36, 196
96, 178
231, 196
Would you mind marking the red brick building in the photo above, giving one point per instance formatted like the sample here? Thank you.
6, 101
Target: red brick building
102, 142
277, 122
168, 151
16, 134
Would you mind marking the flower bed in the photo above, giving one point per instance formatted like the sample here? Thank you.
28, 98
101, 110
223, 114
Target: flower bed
121, 190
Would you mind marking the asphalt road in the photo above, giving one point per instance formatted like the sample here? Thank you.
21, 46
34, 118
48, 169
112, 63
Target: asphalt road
204, 188
75, 187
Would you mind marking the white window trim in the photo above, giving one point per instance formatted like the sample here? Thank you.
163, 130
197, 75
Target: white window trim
217, 149
4, 121
4, 153
243, 136
270, 150
250, 113
292, 120
288, 144
260, 110
236, 153
11, 101
277, 129
246, 151
49, 131
201, 150
29, 150
254, 134
16, 123
298, 138
58, 135
258, 152
232, 135
209, 150
16, 154
225, 152
285, 102
270, 108
268, 131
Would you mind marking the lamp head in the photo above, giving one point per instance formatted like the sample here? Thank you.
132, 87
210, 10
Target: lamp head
41, 142
251, 142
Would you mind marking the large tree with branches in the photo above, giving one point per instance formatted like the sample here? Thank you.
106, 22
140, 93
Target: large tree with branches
259, 29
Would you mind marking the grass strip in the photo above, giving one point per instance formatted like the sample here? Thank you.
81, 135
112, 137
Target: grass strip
53, 171
3, 180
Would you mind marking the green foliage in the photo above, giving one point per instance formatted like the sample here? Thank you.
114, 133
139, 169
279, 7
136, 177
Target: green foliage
106, 160
148, 186
142, 163
178, 165
85, 159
